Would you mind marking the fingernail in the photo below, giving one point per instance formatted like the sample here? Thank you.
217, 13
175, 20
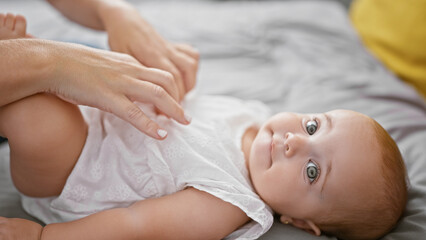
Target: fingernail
188, 118
162, 133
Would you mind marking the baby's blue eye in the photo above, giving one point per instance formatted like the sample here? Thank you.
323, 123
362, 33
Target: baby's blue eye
311, 127
312, 171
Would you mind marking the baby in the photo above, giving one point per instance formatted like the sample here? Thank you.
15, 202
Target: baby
90, 175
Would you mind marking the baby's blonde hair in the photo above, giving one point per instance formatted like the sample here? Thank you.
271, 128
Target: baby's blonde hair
380, 213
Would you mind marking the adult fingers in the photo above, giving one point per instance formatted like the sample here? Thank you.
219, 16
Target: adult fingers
157, 76
161, 78
188, 66
188, 49
159, 61
167, 65
156, 95
130, 112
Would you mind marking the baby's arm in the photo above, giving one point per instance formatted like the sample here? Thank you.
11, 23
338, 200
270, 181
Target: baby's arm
188, 214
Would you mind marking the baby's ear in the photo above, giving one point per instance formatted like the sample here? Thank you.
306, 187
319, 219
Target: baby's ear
306, 225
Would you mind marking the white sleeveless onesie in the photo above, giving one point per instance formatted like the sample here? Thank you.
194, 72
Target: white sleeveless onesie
119, 165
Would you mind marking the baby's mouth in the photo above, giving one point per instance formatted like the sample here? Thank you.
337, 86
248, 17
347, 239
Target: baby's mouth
277, 147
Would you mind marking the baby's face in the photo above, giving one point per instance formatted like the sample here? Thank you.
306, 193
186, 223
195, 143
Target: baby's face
303, 165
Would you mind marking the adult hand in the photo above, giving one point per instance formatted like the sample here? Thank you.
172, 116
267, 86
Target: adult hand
129, 33
111, 82
17, 229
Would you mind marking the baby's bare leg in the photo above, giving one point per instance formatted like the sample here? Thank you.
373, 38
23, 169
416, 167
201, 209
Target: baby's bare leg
46, 136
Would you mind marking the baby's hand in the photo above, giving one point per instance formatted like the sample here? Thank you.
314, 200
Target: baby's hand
19, 229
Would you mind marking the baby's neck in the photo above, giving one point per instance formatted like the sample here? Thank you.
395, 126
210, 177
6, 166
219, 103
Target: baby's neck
247, 141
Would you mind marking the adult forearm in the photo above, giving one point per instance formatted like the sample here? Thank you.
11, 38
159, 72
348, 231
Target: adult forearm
106, 225
24, 66
89, 13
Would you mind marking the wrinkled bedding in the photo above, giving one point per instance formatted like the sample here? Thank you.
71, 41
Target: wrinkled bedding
300, 56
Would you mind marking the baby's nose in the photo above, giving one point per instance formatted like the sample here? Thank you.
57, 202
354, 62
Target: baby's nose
293, 143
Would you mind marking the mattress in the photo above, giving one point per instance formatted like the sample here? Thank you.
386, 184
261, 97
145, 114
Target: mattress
301, 56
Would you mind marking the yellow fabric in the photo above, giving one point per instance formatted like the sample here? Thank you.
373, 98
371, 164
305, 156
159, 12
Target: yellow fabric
395, 31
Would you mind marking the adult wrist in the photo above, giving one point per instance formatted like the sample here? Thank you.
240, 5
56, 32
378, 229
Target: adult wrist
110, 12
24, 68
43, 63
